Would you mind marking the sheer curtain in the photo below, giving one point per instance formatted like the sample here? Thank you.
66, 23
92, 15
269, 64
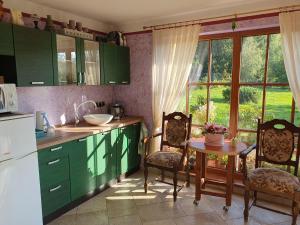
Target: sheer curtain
173, 53
290, 32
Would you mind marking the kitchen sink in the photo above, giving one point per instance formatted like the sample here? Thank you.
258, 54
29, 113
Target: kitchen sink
98, 119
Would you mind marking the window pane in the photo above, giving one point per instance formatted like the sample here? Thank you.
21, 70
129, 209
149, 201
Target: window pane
219, 105
199, 68
247, 137
221, 67
253, 58
297, 116
250, 106
197, 104
278, 103
276, 69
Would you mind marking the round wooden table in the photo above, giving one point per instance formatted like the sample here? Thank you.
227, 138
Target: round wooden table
231, 150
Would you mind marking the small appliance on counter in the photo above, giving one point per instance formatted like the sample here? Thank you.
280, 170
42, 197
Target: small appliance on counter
8, 98
117, 111
42, 126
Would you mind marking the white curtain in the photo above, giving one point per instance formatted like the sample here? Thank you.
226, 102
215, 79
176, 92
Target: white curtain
290, 32
173, 53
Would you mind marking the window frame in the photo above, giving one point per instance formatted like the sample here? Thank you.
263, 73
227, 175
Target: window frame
235, 84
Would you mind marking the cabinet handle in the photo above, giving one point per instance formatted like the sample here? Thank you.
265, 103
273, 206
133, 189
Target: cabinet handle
54, 162
112, 82
123, 128
55, 189
124, 82
82, 139
56, 149
37, 82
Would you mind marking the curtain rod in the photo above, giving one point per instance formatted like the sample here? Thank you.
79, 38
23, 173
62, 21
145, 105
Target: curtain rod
223, 19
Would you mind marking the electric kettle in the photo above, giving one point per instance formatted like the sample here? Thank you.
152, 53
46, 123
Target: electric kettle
42, 122
117, 111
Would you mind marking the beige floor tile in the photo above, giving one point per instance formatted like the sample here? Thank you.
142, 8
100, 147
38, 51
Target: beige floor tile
92, 218
64, 220
241, 221
123, 211
95, 204
200, 219
263, 216
126, 220
160, 222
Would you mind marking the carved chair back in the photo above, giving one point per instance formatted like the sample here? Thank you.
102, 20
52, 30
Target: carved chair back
277, 140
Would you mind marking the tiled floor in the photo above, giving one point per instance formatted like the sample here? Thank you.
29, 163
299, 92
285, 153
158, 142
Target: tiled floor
127, 204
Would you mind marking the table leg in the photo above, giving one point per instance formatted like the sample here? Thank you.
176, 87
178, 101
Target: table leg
229, 180
198, 178
203, 170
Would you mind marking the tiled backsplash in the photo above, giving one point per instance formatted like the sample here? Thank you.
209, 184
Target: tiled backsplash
58, 102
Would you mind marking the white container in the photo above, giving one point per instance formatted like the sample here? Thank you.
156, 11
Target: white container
214, 139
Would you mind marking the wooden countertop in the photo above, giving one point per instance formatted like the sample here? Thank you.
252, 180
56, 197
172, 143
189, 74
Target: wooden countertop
71, 132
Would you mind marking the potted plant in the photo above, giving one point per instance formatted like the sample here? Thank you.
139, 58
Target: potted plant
214, 134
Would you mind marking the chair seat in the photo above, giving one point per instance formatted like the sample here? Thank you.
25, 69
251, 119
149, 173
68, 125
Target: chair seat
164, 159
273, 180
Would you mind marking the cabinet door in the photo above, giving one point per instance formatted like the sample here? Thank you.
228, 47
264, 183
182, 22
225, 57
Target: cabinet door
133, 155
66, 58
82, 156
106, 157
108, 64
91, 62
33, 53
123, 150
6, 39
123, 65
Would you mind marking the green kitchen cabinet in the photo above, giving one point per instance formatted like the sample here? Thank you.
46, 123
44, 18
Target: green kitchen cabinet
82, 156
106, 156
54, 178
6, 39
115, 64
127, 149
33, 55
77, 61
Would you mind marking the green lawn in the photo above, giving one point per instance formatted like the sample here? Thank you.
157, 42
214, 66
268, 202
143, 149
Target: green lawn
278, 105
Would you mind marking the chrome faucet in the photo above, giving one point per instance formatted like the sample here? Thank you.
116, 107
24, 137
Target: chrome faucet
80, 105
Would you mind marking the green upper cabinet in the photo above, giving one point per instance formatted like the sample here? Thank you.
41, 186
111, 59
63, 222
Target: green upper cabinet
90, 62
115, 64
6, 39
65, 60
33, 54
106, 156
82, 156
77, 61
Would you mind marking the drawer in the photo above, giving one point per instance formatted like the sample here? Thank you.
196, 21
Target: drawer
55, 197
52, 153
53, 171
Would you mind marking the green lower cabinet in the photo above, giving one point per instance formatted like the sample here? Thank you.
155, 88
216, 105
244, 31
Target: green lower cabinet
106, 156
55, 196
82, 157
127, 151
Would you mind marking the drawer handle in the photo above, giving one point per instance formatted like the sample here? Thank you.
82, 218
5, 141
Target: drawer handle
112, 82
124, 82
82, 139
123, 128
56, 149
54, 162
37, 82
55, 189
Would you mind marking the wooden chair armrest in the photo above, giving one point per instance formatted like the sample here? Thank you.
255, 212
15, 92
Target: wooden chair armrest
146, 142
243, 155
148, 139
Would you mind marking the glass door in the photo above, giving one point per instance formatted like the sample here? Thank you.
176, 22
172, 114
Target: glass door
92, 62
66, 57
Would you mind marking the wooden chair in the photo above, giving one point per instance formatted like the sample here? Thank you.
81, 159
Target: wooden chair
176, 129
276, 142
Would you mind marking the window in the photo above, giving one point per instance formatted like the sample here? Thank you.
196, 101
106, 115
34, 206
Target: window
236, 78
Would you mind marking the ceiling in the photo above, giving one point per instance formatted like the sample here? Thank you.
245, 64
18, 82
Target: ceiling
132, 11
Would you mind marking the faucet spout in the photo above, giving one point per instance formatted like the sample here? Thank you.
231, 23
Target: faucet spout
79, 106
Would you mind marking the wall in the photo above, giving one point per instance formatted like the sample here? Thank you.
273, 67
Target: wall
59, 101
136, 97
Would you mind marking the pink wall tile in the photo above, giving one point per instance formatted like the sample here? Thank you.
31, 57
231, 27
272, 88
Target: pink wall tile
58, 101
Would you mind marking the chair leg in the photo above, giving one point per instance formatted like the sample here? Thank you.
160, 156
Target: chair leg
188, 177
295, 212
254, 197
246, 199
175, 186
146, 178
162, 175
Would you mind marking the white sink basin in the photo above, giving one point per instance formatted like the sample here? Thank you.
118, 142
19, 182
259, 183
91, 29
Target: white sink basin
98, 119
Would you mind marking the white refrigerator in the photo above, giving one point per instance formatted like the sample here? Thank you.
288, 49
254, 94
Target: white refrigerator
20, 198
